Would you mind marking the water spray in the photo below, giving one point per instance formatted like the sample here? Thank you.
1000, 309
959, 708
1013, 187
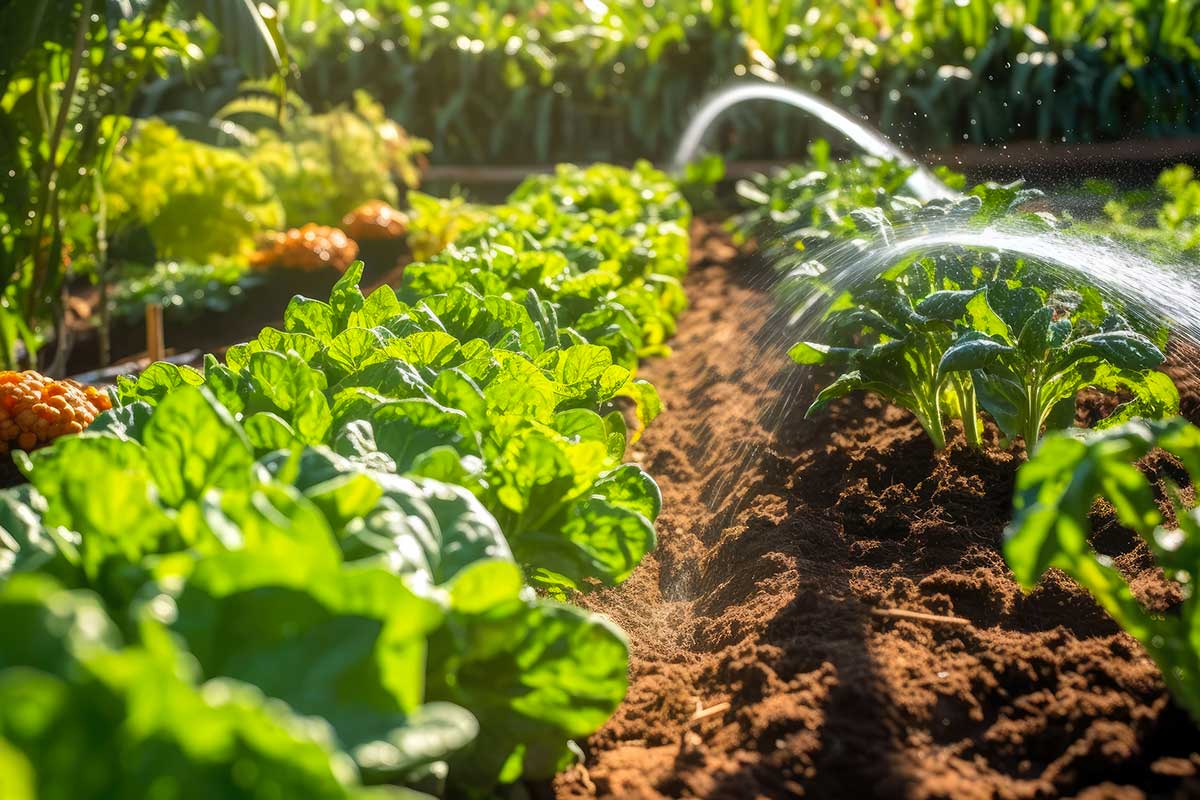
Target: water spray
923, 184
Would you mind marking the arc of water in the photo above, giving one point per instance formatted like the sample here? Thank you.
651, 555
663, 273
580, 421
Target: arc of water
923, 183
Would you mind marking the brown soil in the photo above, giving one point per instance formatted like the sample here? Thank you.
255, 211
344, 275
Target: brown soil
766, 657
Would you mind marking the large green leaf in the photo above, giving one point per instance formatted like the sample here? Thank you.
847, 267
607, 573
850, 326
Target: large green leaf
344, 643
193, 445
536, 673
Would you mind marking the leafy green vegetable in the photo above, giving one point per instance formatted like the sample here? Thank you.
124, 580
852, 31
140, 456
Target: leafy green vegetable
1028, 366
1055, 493
347, 520
70, 687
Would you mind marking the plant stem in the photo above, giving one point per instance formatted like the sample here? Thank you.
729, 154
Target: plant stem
49, 176
102, 265
1033, 417
929, 414
970, 412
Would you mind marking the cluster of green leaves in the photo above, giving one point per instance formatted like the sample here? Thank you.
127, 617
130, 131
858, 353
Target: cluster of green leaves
811, 202
322, 166
200, 202
185, 287
605, 246
963, 330
1164, 218
314, 564
1055, 493
525, 81
196, 202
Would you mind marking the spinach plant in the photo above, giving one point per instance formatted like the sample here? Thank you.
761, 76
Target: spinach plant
1029, 360
894, 335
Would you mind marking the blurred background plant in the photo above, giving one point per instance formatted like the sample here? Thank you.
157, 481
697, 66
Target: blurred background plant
275, 114
92, 193
528, 80
70, 71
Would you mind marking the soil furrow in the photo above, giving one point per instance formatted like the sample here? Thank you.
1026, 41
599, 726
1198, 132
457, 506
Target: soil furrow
781, 539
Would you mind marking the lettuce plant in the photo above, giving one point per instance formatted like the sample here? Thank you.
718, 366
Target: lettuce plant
1055, 493
344, 524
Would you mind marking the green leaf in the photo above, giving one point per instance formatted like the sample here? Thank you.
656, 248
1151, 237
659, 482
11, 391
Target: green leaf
286, 384
972, 351
155, 382
1036, 335
596, 540
809, 353
946, 305
536, 673
436, 349
346, 644
311, 317
1154, 396
266, 431
984, 320
124, 422
100, 488
428, 528
1123, 349
25, 544
647, 403
306, 346
193, 445
379, 308
345, 300
628, 486
1004, 400
354, 349
1013, 305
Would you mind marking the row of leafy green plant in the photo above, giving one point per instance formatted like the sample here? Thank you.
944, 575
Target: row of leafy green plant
339, 559
545, 81
1163, 218
945, 336
957, 331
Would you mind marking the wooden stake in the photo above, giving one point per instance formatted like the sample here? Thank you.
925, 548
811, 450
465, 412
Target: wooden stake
155, 345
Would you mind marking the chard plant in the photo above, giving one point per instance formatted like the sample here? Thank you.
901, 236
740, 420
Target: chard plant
1054, 496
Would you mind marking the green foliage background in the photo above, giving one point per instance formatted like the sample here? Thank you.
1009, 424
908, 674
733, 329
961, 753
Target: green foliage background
524, 81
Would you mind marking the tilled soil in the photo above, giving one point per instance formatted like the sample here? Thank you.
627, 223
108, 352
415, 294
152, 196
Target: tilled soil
771, 654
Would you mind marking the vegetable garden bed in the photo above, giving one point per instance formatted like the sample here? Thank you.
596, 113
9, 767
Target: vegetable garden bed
828, 612
356, 550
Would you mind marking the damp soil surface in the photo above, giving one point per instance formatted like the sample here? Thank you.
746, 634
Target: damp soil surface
828, 613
